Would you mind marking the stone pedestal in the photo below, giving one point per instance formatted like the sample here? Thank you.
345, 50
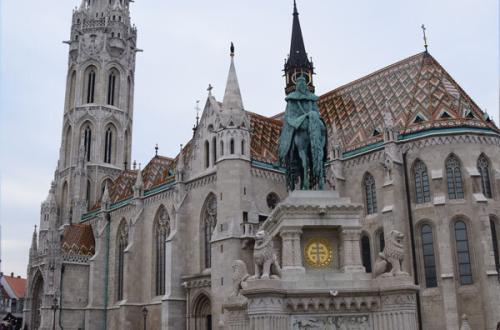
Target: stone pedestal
350, 237
291, 251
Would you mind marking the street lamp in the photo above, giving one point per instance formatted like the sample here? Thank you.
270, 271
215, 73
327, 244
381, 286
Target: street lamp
54, 308
145, 315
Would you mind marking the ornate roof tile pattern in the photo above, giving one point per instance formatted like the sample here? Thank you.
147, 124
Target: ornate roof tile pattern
157, 171
417, 91
123, 186
265, 133
78, 239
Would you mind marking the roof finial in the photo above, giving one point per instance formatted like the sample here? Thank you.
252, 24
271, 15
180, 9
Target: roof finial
197, 108
295, 11
425, 38
232, 49
156, 149
209, 89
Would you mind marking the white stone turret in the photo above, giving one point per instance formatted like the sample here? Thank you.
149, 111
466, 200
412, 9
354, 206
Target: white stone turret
139, 185
105, 200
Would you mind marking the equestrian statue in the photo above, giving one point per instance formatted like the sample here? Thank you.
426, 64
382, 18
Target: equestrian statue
302, 145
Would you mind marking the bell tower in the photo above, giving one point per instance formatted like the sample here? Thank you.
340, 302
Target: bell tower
98, 111
298, 64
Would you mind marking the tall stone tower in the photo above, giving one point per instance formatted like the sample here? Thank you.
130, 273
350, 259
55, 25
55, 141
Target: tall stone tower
98, 112
96, 138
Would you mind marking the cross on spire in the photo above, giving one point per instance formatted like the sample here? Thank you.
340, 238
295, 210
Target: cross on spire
425, 37
156, 149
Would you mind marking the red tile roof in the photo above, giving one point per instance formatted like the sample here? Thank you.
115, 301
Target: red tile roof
78, 239
416, 86
17, 284
265, 133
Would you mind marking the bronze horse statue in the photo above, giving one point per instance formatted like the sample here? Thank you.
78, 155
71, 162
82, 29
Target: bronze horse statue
302, 147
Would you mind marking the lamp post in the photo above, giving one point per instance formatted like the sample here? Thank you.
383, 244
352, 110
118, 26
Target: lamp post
145, 315
54, 308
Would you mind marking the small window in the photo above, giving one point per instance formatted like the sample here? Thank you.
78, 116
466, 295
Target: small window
370, 194
87, 136
207, 154
422, 190
245, 216
484, 170
463, 255
231, 146
494, 240
90, 76
222, 148
214, 150
428, 256
366, 253
454, 178
262, 218
108, 145
243, 147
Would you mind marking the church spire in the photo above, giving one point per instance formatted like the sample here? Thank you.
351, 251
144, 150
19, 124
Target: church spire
232, 96
297, 63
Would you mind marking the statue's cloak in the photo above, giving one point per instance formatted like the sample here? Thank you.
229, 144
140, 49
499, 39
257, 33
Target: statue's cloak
299, 107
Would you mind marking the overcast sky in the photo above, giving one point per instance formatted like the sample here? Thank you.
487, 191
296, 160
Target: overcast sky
186, 47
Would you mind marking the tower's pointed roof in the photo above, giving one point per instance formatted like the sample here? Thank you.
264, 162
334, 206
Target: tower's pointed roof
232, 96
298, 55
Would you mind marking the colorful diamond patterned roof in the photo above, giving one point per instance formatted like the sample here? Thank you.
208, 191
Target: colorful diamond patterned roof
78, 239
265, 133
418, 92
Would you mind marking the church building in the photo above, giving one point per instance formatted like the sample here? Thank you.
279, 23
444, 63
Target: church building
404, 235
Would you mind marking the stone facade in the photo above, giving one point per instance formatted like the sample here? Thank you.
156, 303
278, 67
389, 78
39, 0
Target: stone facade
116, 242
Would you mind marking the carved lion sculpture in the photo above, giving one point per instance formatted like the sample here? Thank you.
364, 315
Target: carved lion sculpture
390, 261
264, 258
240, 274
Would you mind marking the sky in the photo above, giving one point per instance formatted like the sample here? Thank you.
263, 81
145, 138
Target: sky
186, 47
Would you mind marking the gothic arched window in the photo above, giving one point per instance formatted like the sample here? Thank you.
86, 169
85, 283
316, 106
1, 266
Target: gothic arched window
231, 147
129, 94
463, 255
209, 222
64, 200
428, 256
214, 149
454, 178
370, 194
243, 147
113, 83
366, 255
495, 243
90, 77
161, 232
87, 141
108, 144
422, 190
122, 242
484, 170
222, 148
67, 147
72, 86
207, 154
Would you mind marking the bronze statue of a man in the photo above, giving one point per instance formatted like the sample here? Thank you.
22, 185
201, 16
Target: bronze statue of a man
303, 140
